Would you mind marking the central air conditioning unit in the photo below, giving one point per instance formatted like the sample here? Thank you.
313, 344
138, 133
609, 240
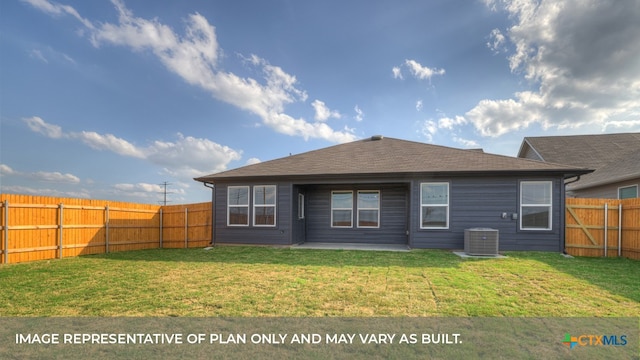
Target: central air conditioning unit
481, 241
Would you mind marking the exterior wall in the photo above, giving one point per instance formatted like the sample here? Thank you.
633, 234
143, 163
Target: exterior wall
528, 153
278, 235
480, 202
473, 202
393, 216
608, 191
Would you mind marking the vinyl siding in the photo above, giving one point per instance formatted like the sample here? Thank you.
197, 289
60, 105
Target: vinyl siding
278, 235
480, 202
393, 216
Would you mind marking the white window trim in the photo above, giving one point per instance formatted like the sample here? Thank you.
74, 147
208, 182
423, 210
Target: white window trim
275, 220
364, 208
436, 205
549, 206
229, 206
350, 209
626, 187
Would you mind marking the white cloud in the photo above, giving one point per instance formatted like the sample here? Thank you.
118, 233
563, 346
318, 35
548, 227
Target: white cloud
323, 113
397, 73
497, 41
140, 187
6, 170
36, 124
56, 9
428, 129
37, 54
186, 157
108, 142
422, 72
582, 59
419, 105
253, 160
56, 177
46, 176
359, 113
449, 123
190, 156
194, 57
19, 189
417, 70
466, 143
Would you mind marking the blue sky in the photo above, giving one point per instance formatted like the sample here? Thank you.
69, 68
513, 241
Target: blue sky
108, 99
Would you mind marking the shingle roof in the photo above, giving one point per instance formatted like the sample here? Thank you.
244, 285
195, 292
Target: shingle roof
616, 157
388, 156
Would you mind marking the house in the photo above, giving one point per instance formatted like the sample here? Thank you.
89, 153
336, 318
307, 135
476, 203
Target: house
615, 158
389, 191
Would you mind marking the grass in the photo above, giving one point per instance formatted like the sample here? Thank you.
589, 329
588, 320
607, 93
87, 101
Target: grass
261, 281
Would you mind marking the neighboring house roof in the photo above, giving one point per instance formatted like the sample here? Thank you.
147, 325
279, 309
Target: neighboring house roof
385, 156
616, 157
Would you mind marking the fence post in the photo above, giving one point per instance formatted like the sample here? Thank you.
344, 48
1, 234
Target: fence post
6, 232
606, 227
106, 228
161, 247
60, 229
186, 228
620, 229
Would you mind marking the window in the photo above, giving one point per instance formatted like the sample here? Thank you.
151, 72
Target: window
434, 205
535, 205
300, 206
341, 208
628, 192
264, 205
238, 206
369, 208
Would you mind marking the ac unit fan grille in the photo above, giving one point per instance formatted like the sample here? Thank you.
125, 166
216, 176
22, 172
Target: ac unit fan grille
481, 241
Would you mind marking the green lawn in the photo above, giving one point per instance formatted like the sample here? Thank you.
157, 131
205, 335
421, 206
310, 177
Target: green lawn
262, 281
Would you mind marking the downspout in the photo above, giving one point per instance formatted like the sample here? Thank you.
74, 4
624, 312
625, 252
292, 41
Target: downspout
213, 213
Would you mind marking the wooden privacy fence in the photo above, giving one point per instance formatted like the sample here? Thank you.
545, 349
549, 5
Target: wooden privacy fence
603, 227
39, 227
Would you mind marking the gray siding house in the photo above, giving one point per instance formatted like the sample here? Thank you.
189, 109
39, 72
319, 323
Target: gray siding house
390, 191
615, 158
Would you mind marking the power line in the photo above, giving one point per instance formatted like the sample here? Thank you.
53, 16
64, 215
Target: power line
165, 192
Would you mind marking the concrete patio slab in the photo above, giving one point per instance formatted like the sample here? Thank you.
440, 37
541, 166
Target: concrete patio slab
464, 255
350, 246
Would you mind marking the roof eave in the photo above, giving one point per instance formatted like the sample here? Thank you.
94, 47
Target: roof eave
392, 175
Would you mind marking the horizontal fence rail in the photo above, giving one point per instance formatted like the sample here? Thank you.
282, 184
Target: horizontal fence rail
39, 228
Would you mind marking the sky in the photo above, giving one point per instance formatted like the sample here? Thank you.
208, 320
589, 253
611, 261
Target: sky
110, 99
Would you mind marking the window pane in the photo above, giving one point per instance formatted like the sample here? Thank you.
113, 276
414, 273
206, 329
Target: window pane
369, 199
265, 215
341, 218
434, 216
368, 218
300, 206
238, 196
238, 216
536, 193
341, 200
535, 217
435, 194
628, 192
264, 195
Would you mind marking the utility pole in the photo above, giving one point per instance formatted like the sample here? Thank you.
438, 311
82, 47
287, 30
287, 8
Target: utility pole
165, 192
